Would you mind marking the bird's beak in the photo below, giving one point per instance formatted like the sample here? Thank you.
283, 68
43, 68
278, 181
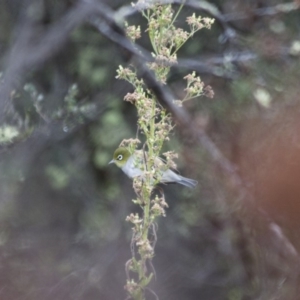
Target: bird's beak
111, 162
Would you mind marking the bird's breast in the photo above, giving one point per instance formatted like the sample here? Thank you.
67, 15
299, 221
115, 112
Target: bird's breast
130, 169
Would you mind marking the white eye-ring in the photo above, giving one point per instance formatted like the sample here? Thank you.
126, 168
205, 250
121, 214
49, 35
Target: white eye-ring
120, 157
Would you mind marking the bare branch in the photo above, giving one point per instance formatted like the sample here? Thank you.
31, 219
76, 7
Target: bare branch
265, 11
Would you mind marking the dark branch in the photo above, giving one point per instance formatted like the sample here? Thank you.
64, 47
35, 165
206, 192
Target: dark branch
265, 11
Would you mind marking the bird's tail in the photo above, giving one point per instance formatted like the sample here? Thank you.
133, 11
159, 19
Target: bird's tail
191, 183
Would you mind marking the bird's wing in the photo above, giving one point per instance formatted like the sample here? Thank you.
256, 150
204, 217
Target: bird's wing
161, 163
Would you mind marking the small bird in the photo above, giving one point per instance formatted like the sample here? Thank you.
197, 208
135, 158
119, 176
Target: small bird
129, 163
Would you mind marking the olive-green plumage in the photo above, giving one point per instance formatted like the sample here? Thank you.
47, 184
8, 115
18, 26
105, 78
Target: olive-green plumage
129, 164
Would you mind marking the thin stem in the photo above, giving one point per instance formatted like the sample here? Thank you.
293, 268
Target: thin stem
155, 124
177, 14
189, 36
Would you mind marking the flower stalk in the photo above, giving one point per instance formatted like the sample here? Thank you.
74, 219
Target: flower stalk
155, 124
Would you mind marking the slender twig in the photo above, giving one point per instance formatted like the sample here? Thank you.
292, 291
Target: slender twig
153, 293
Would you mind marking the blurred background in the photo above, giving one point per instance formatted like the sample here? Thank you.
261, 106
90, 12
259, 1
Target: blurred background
63, 233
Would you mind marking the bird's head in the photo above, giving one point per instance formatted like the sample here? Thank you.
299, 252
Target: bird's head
120, 157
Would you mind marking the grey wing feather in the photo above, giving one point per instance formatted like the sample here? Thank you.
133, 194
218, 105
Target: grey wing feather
169, 176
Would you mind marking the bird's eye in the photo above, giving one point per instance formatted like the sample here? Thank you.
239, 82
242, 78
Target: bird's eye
120, 157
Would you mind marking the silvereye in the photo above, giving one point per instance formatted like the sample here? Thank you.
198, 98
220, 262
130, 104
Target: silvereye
130, 165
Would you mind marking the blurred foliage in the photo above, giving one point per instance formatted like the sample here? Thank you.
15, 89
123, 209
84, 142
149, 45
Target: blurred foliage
63, 233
